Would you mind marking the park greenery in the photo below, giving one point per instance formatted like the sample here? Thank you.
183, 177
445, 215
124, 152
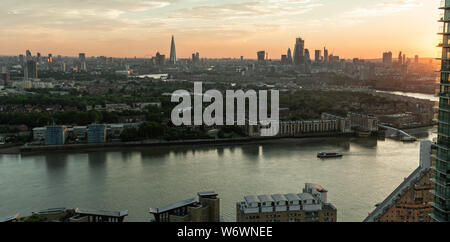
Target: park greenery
301, 105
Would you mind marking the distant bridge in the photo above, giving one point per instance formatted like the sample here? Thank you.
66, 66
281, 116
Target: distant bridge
398, 132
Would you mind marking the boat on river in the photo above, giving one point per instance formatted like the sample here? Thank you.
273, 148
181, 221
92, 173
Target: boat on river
325, 155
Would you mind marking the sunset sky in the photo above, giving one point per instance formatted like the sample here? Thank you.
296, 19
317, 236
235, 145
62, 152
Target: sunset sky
219, 28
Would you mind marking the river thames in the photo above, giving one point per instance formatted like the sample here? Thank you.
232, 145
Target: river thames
139, 179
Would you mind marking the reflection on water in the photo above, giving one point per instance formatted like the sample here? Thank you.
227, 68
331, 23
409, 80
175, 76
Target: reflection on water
430, 97
153, 177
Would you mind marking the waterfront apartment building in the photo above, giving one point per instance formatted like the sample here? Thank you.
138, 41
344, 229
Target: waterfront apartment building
206, 209
96, 133
329, 123
56, 135
299, 128
80, 132
344, 123
363, 122
411, 200
295, 128
39, 133
309, 206
441, 191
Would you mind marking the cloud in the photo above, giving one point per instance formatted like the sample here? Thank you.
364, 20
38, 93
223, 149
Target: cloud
382, 9
247, 10
70, 15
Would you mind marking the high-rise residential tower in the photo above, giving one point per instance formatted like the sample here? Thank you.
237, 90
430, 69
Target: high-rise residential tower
173, 52
82, 59
31, 70
441, 191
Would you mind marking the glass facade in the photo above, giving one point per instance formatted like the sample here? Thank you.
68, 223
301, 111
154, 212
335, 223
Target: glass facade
441, 191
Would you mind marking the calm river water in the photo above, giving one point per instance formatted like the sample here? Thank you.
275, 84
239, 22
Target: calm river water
140, 179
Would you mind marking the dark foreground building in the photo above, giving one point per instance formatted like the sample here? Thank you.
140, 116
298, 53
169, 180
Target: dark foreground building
206, 209
309, 206
441, 191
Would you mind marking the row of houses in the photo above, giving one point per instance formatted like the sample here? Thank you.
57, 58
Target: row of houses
94, 133
120, 107
329, 123
311, 205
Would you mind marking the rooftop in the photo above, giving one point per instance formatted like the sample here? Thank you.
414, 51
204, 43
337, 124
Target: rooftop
9, 218
116, 214
265, 198
207, 194
305, 196
279, 198
167, 208
251, 199
292, 197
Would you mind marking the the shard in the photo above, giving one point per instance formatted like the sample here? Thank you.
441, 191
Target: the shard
173, 52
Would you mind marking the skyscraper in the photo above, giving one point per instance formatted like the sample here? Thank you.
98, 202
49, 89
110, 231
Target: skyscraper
29, 56
195, 57
325, 55
307, 56
441, 191
22, 60
32, 70
82, 59
318, 56
387, 58
30, 66
299, 51
160, 60
173, 52
400, 58
261, 56
289, 56
283, 59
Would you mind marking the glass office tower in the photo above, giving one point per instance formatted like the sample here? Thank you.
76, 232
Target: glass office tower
441, 191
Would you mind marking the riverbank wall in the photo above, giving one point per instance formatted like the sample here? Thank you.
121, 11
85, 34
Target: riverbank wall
30, 150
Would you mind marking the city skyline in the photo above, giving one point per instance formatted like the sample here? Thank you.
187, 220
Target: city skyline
219, 30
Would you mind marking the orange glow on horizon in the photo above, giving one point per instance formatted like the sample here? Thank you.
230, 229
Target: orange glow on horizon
356, 33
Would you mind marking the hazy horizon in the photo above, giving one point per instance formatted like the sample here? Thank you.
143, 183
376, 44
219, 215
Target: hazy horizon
223, 29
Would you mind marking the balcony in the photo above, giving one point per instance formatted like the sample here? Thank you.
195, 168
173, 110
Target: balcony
443, 194
440, 181
440, 207
442, 169
445, 4
438, 218
444, 17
